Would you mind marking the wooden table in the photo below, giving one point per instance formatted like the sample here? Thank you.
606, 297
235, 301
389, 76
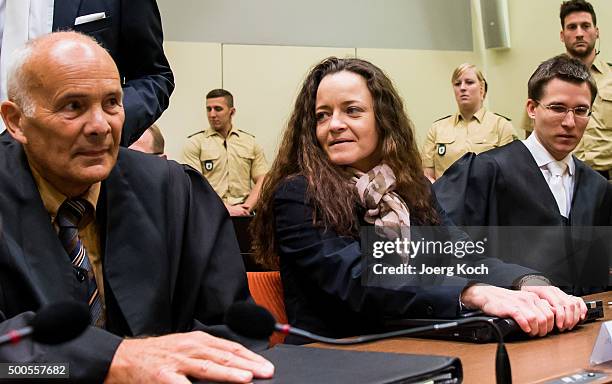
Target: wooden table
533, 360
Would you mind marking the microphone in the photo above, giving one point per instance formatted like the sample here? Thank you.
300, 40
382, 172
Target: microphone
56, 323
254, 321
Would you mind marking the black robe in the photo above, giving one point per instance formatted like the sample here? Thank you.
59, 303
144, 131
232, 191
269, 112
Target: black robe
170, 258
504, 187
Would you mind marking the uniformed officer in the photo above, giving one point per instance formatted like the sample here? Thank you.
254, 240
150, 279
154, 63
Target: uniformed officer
472, 129
579, 33
228, 157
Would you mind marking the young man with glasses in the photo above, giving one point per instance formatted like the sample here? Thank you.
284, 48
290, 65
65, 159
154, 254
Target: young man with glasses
538, 182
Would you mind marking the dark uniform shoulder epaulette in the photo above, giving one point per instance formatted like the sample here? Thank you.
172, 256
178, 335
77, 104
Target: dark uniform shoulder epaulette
250, 134
507, 118
442, 118
193, 134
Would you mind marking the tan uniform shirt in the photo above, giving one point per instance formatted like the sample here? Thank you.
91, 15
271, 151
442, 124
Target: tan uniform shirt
451, 137
52, 200
229, 164
595, 148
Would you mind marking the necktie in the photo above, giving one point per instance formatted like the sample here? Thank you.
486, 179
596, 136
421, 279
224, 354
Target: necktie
73, 214
557, 169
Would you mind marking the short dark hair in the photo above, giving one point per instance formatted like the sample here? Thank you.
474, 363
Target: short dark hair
229, 99
158, 140
562, 67
572, 6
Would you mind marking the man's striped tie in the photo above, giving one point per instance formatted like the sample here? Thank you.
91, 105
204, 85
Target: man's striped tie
72, 215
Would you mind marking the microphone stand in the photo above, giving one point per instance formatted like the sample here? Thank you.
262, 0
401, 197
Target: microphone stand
503, 372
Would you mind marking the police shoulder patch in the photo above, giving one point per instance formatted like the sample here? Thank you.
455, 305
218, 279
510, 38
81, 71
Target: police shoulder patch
441, 149
208, 165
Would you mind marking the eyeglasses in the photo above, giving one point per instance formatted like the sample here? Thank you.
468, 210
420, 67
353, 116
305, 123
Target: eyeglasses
561, 110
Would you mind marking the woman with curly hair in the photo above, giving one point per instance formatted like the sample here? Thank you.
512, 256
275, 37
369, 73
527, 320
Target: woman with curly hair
348, 158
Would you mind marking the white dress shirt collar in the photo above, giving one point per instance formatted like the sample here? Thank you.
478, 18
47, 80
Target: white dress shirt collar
542, 157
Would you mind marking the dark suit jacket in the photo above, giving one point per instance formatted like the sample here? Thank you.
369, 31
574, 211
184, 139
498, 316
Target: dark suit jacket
328, 289
170, 258
505, 187
132, 34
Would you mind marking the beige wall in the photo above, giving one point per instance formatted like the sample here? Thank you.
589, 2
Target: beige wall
265, 79
196, 67
423, 80
534, 29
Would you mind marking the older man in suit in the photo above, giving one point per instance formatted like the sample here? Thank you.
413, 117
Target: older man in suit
130, 30
146, 242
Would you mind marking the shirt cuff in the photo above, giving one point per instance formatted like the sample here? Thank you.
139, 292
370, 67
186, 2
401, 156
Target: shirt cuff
531, 280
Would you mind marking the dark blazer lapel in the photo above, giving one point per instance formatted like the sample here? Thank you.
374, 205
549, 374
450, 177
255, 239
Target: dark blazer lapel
46, 260
64, 13
585, 198
135, 280
529, 171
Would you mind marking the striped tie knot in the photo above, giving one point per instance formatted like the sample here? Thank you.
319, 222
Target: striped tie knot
74, 213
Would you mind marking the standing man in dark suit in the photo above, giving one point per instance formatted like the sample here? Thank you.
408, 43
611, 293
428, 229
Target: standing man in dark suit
131, 32
145, 241
537, 182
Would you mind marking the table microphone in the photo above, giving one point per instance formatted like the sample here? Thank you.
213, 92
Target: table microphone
254, 321
56, 323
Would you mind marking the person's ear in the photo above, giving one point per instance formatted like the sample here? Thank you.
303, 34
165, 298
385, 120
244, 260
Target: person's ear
530, 107
561, 36
232, 111
13, 120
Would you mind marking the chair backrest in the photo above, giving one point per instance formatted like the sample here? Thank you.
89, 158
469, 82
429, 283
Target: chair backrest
267, 291
241, 228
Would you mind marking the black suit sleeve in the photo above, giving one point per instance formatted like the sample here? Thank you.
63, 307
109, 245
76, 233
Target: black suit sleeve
333, 264
209, 287
211, 270
500, 273
89, 355
143, 64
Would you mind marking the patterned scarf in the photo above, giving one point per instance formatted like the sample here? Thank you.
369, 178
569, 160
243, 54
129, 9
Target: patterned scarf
384, 207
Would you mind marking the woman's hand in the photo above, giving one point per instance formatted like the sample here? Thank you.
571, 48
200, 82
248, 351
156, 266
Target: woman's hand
533, 308
568, 310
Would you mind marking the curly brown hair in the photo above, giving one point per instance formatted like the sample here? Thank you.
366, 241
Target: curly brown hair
300, 154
